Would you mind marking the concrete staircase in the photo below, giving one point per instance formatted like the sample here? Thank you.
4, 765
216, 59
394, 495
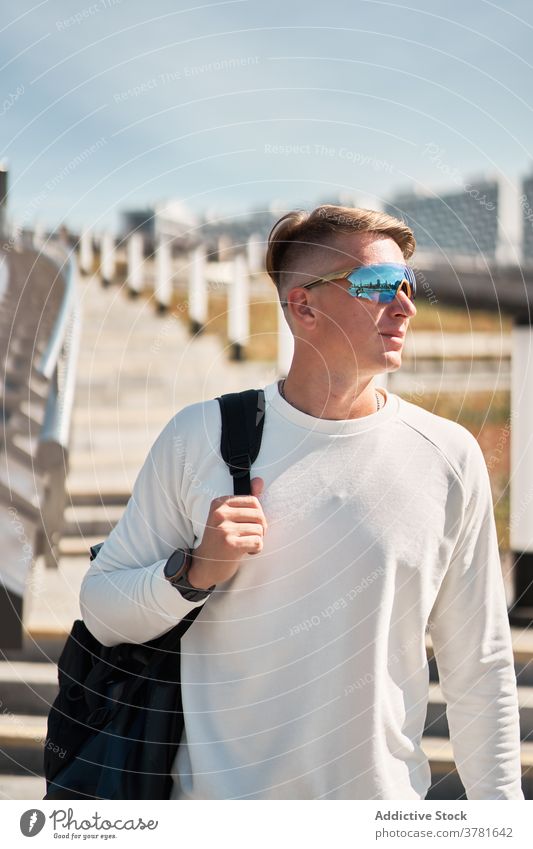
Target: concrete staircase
136, 370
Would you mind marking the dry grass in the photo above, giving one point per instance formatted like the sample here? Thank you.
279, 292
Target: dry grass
454, 320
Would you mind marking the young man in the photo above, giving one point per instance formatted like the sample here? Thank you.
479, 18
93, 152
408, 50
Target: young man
371, 520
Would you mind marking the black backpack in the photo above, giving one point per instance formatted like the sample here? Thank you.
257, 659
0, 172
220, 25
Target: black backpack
116, 723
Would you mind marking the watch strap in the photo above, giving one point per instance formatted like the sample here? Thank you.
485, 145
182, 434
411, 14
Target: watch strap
181, 581
187, 590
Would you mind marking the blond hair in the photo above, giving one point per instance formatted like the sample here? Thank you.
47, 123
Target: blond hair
298, 232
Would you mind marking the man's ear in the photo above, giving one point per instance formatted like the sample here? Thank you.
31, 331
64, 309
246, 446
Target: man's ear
299, 307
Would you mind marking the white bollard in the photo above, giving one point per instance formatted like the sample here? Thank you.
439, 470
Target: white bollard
510, 221
17, 237
163, 292
39, 236
107, 258
238, 308
86, 252
285, 344
224, 248
197, 290
135, 253
255, 250
520, 426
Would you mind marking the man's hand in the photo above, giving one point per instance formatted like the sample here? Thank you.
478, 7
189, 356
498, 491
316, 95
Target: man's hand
235, 526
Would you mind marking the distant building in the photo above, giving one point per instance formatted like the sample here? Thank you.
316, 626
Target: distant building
526, 204
236, 230
462, 222
174, 220
3, 199
138, 221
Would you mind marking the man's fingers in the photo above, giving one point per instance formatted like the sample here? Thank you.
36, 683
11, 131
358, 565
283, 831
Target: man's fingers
250, 515
234, 513
239, 500
250, 544
245, 529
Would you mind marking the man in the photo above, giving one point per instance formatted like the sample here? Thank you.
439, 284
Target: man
370, 521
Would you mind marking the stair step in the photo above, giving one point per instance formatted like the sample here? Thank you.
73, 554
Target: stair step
80, 496
22, 740
103, 485
56, 603
522, 616
138, 416
91, 456
40, 645
106, 482
77, 546
22, 787
117, 443
91, 520
26, 687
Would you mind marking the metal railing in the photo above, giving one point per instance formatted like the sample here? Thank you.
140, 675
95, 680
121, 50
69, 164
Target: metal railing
58, 365
39, 335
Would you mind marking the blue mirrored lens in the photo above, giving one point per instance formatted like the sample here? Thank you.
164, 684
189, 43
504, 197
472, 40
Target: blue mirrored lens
380, 283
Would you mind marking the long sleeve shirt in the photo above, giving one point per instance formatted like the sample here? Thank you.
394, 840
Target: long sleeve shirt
305, 676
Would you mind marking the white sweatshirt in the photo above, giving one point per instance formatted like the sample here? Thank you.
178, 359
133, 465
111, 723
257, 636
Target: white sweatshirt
305, 675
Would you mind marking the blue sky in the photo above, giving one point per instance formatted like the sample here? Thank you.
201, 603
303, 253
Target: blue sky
232, 105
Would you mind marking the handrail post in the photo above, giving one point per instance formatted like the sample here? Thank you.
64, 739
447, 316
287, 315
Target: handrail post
107, 258
238, 309
197, 291
86, 252
163, 291
135, 253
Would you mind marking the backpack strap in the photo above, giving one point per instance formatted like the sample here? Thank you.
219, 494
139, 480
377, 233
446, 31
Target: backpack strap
243, 417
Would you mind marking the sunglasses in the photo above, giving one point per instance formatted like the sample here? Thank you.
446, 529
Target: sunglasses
379, 283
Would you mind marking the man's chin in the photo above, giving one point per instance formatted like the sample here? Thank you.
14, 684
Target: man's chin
393, 361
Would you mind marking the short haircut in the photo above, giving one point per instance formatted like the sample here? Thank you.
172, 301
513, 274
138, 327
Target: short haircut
299, 233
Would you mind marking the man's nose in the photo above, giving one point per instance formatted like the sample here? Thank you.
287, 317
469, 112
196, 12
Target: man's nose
402, 303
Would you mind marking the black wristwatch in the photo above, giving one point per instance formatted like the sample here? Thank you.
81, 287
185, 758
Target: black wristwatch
175, 571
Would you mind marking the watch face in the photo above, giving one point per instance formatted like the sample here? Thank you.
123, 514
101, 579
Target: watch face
175, 564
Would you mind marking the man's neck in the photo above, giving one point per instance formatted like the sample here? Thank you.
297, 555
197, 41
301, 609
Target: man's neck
335, 399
